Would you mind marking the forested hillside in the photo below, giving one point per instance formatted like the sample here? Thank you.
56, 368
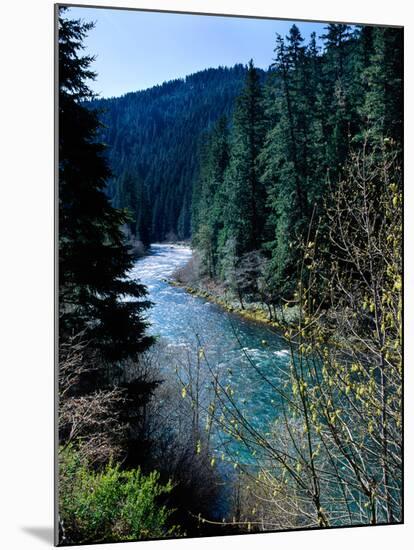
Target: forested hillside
297, 211
152, 138
177, 419
267, 176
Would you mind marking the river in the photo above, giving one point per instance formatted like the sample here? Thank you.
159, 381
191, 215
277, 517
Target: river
245, 354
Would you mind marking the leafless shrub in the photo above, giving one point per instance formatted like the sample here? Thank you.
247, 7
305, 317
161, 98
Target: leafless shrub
334, 454
93, 420
177, 425
171, 237
190, 272
136, 248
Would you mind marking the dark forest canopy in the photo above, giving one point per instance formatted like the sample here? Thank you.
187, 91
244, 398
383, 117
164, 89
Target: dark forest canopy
153, 137
318, 100
266, 176
93, 258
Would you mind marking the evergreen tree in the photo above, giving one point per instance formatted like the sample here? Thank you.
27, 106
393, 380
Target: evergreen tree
209, 195
340, 113
285, 158
383, 72
93, 260
244, 211
153, 135
136, 203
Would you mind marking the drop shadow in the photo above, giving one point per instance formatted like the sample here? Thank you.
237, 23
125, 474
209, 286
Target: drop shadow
44, 534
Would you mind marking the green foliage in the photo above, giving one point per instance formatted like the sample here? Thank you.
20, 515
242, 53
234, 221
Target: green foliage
244, 194
152, 137
383, 73
110, 505
333, 452
294, 197
287, 149
229, 199
209, 196
93, 259
136, 203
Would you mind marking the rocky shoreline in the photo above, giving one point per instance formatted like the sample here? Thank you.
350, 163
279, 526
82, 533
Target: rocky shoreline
255, 311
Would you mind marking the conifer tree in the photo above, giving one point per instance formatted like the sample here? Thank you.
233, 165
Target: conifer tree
288, 145
136, 203
153, 135
244, 212
335, 91
93, 260
209, 196
284, 159
383, 106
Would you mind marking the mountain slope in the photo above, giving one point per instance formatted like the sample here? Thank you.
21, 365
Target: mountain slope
152, 138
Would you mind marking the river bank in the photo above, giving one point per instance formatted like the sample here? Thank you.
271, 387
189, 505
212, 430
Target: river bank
186, 278
201, 342
187, 319
251, 311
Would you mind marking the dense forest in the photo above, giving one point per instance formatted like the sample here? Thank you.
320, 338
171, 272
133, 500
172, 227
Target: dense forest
152, 138
289, 184
264, 178
297, 210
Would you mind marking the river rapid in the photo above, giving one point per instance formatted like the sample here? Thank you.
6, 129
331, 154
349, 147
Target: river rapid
249, 357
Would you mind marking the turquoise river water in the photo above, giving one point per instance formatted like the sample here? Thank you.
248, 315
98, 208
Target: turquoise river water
248, 356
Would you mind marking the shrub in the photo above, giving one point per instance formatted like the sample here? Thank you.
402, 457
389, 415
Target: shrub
109, 505
189, 273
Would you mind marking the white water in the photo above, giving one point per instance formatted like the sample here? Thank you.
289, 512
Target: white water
240, 350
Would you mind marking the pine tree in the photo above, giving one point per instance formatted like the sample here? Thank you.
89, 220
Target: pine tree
93, 260
209, 195
153, 135
244, 212
383, 71
134, 199
285, 157
335, 91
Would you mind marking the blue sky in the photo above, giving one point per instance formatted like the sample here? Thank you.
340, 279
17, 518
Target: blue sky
136, 50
